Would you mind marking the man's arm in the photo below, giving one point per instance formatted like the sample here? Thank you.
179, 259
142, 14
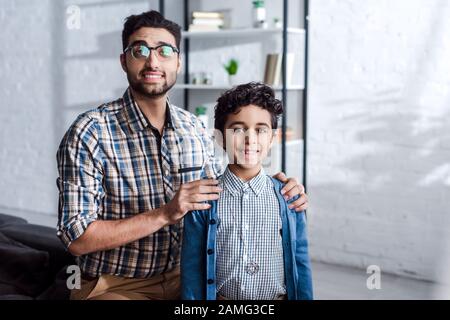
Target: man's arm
103, 235
80, 185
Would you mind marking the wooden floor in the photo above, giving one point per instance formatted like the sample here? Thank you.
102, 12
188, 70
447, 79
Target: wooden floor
333, 282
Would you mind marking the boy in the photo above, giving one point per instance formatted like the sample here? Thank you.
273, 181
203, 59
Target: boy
249, 245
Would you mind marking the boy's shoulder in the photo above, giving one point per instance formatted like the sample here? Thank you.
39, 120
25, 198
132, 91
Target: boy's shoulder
276, 183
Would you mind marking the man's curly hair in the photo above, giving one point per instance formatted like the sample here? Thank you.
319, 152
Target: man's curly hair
256, 93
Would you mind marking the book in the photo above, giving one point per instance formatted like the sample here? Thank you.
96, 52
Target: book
270, 68
193, 27
208, 22
207, 15
273, 69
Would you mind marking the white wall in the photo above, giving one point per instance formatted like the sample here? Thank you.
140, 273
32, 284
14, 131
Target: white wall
379, 147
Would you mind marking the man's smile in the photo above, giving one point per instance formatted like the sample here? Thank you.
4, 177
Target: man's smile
152, 76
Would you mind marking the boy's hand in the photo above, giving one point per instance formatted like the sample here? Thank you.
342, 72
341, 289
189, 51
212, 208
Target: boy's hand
191, 197
292, 189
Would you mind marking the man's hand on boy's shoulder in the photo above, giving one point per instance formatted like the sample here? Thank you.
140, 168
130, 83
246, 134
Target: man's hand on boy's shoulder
291, 189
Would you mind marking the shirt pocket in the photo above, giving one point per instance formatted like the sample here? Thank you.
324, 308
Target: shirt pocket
190, 163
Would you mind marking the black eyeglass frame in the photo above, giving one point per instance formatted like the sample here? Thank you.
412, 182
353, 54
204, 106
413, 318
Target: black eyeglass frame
175, 49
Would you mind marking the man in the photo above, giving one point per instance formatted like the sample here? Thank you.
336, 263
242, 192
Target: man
131, 169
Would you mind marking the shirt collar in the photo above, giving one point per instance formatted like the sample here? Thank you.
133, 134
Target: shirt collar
137, 119
235, 185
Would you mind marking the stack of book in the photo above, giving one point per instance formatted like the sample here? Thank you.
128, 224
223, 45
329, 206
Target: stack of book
273, 69
206, 21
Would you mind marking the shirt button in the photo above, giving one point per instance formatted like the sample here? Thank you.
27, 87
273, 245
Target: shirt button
212, 221
210, 251
59, 233
210, 281
246, 227
166, 172
244, 257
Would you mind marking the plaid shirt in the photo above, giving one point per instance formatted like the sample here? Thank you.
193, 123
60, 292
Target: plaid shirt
250, 263
113, 164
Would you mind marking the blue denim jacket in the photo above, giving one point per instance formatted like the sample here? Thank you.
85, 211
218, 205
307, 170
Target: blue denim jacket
198, 268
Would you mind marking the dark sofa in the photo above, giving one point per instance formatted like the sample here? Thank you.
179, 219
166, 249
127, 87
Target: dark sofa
33, 261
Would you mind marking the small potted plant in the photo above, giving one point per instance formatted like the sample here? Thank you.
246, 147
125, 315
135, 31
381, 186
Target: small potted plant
231, 68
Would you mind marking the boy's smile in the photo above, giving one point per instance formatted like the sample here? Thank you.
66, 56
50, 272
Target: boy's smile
250, 155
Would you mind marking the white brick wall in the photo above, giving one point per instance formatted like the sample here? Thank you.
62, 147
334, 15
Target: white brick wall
26, 116
50, 74
379, 108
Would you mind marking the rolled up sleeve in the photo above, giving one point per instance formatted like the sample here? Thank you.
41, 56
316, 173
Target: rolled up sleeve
79, 182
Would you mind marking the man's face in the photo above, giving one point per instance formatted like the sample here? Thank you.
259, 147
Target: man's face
248, 136
151, 77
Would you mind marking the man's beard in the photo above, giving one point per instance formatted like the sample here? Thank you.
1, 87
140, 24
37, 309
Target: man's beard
148, 90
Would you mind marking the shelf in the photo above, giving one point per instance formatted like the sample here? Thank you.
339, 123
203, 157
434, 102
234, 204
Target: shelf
225, 87
232, 33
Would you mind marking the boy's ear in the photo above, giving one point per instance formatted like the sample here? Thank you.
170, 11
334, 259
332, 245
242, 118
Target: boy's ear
219, 138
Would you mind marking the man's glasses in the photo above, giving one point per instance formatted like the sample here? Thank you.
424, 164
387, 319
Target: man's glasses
142, 51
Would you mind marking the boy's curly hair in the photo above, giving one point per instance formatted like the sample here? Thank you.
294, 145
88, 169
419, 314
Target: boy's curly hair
256, 93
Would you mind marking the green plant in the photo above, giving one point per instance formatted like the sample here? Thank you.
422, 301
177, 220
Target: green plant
232, 67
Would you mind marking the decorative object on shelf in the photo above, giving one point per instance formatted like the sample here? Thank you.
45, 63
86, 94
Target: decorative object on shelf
200, 112
206, 21
273, 69
199, 78
196, 78
231, 68
277, 23
207, 78
259, 14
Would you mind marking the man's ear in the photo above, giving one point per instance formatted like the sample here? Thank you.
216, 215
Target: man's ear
179, 65
123, 62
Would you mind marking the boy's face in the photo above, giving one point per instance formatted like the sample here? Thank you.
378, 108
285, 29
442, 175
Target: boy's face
248, 136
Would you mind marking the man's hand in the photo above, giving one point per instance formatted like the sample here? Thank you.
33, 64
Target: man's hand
104, 235
292, 189
191, 196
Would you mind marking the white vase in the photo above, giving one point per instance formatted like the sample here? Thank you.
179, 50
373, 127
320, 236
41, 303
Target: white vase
232, 80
